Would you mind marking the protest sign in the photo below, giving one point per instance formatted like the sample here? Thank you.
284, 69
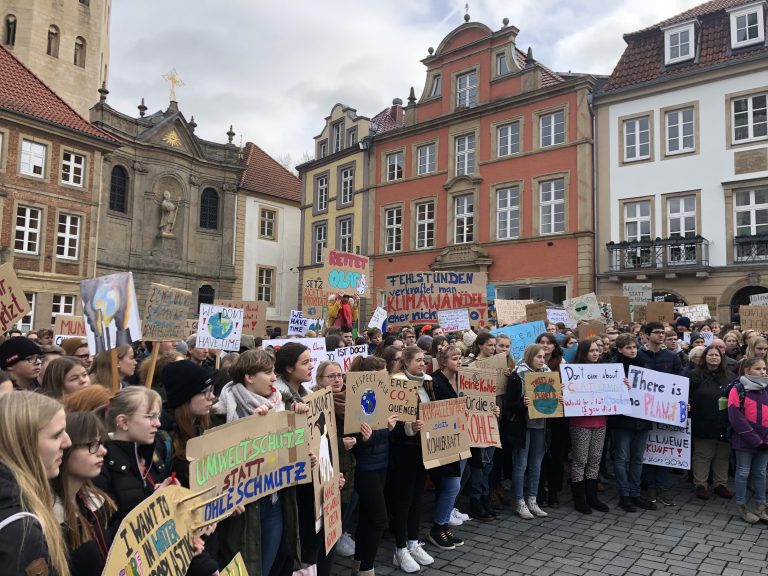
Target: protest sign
606, 312
658, 397
403, 399
483, 430
711, 302
297, 324
68, 327
697, 313
415, 297
316, 350
165, 314
759, 299
453, 320
511, 311
521, 335
639, 313
620, 309
111, 311
638, 293
346, 273
558, 315
498, 362
478, 386
594, 390
590, 329
444, 437
366, 400
708, 337
321, 423
536, 311
235, 568
332, 513
248, 459
219, 327
669, 446
254, 314
13, 302
156, 536
345, 356
378, 318
753, 317
583, 307
663, 312
314, 299
545, 391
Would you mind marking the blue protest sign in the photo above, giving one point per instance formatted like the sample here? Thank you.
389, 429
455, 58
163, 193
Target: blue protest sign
521, 335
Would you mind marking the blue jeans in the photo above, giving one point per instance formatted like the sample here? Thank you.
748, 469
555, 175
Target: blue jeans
529, 458
447, 488
628, 450
656, 477
754, 462
271, 517
478, 480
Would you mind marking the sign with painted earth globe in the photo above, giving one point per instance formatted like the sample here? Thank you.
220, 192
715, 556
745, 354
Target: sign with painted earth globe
545, 398
368, 401
220, 326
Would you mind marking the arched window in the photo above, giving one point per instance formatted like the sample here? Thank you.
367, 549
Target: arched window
80, 52
205, 295
209, 209
53, 42
118, 190
9, 30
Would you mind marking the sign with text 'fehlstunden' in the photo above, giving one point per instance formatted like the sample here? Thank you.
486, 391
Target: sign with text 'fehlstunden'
658, 397
594, 390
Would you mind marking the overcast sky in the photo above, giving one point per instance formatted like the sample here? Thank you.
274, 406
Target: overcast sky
274, 68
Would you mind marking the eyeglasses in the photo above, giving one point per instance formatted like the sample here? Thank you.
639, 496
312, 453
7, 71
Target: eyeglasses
83, 356
658, 332
93, 447
32, 359
334, 376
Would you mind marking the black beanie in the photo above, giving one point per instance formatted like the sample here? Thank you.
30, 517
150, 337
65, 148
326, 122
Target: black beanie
182, 380
16, 349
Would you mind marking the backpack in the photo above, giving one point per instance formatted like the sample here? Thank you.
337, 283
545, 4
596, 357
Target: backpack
725, 391
15, 517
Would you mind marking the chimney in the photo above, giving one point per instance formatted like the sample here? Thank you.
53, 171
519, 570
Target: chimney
396, 111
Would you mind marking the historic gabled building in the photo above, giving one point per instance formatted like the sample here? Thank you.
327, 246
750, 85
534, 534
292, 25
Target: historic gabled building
682, 163
492, 171
50, 178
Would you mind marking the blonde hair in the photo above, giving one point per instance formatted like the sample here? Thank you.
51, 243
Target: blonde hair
127, 402
22, 416
101, 369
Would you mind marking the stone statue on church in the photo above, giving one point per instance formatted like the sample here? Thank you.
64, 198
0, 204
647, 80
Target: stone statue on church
168, 214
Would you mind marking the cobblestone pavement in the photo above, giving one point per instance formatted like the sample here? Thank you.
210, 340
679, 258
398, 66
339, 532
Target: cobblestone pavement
694, 537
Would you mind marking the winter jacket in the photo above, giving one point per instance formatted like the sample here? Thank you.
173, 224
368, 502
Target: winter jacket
661, 361
89, 558
402, 435
703, 396
622, 422
749, 426
443, 390
371, 455
515, 411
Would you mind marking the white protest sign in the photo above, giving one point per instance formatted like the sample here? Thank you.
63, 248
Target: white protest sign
378, 318
453, 320
219, 327
556, 315
658, 397
583, 307
697, 313
707, 336
316, 349
669, 446
344, 356
594, 390
638, 293
759, 299
298, 325
511, 311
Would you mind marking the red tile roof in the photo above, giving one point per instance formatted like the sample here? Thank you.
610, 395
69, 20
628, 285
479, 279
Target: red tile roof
265, 175
548, 77
21, 91
643, 58
385, 121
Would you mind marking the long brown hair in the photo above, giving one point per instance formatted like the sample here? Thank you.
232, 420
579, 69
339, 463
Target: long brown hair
55, 375
187, 426
101, 369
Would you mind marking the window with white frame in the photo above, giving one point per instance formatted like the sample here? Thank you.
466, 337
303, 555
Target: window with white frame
508, 139
679, 43
267, 221
338, 136
347, 181
501, 64
394, 166
72, 168
425, 225
747, 26
26, 323
552, 129
393, 229
27, 238
68, 237
680, 131
751, 219
352, 136
466, 89
426, 158
321, 193
637, 139
464, 223
437, 86
322, 149
681, 223
265, 284
32, 158
508, 213
552, 206
637, 228
465, 154
345, 235
319, 242
750, 120
63, 304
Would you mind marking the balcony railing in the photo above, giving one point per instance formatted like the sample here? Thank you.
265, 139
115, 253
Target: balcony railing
750, 248
669, 254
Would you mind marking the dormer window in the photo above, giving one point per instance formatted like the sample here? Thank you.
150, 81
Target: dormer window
501, 64
679, 44
747, 25
436, 86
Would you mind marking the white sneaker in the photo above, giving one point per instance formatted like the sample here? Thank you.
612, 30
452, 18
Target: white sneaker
403, 560
522, 510
455, 520
345, 546
460, 515
534, 509
420, 555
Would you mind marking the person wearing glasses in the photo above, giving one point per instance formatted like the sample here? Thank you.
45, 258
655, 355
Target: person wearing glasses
78, 347
21, 358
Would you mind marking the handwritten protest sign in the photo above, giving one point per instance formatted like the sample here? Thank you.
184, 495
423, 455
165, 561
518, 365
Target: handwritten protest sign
594, 390
346, 273
156, 536
759, 299
316, 350
620, 309
708, 337
453, 320
235, 568
254, 314
669, 446
558, 315
590, 329
697, 312
638, 292
248, 459
639, 313
378, 318
754, 318
498, 362
366, 400
13, 302
583, 307
521, 335
606, 312
165, 314
321, 423
219, 327
658, 397
478, 387
511, 311
332, 513
190, 327
297, 324
444, 437
68, 327
111, 311
345, 356
536, 311
544, 390
663, 312
415, 297
313, 297
711, 302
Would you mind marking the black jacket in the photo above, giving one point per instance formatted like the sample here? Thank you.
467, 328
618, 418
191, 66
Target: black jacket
623, 422
89, 558
442, 390
515, 412
704, 396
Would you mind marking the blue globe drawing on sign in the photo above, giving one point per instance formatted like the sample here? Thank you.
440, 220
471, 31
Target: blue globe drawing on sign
547, 401
368, 402
219, 326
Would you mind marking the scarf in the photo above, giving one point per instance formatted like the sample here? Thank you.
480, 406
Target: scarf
339, 404
521, 370
753, 383
425, 394
236, 401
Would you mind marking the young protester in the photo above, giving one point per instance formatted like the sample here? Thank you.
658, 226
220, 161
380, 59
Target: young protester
101, 369
672, 344
374, 339
78, 348
390, 340
50, 353
391, 357
732, 341
408, 336
87, 399
64, 376
21, 358
33, 438
502, 458
757, 347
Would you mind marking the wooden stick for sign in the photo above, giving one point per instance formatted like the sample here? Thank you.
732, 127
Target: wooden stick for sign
218, 359
152, 364
115, 374
197, 494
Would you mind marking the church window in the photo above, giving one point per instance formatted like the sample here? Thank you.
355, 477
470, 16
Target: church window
118, 190
9, 31
80, 52
209, 209
53, 42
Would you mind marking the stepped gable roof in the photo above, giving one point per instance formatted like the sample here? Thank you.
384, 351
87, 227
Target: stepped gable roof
265, 175
21, 91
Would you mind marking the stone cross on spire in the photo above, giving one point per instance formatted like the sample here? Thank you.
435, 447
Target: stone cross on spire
175, 82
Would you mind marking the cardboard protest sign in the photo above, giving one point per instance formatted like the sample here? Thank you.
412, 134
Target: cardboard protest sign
620, 309
453, 320
697, 313
403, 399
190, 327
13, 302
663, 312
711, 302
544, 390
332, 513
590, 329
639, 313
558, 315
314, 299
248, 459
345, 356
444, 437
753, 317
254, 314
346, 273
366, 400
658, 397
511, 311
521, 335
378, 318
536, 311
478, 387
321, 423
220, 327
156, 536
316, 349
759, 299
68, 327
111, 311
583, 307
594, 390
669, 446
606, 312
499, 363
165, 314
638, 292
415, 297
235, 568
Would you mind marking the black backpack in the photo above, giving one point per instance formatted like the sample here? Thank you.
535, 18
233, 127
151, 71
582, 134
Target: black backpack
725, 391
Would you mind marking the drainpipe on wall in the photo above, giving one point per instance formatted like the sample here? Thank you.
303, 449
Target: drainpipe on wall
595, 203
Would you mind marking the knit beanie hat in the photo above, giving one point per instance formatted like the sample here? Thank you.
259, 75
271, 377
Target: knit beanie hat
70, 345
17, 348
182, 380
469, 338
684, 321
